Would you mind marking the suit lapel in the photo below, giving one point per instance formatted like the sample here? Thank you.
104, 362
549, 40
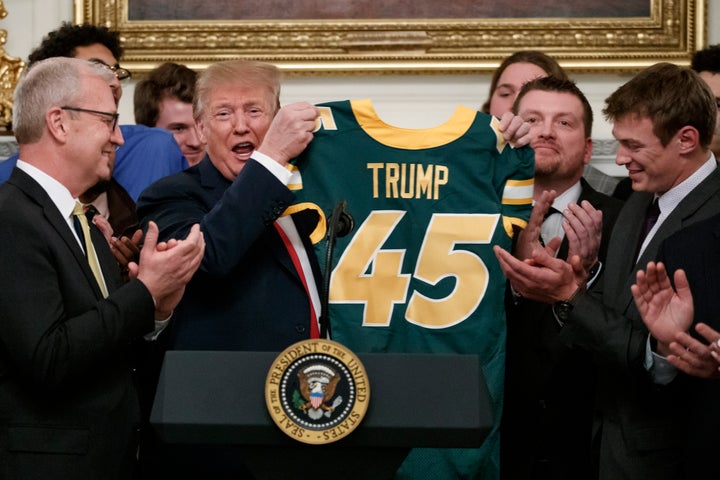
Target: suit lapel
212, 181
678, 219
687, 208
215, 186
621, 253
36, 194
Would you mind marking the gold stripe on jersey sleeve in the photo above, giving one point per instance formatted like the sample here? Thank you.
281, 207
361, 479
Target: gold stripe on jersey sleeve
513, 223
295, 182
321, 227
518, 192
408, 138
500, 139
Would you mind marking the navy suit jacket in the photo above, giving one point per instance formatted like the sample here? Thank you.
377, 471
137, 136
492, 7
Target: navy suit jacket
696, 250
642, 423
68, 405
246, 294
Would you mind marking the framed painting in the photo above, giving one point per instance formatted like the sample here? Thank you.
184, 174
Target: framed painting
402, 36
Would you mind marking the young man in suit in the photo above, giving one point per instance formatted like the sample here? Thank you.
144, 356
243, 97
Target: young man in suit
550, 388
706, 63
663, 119
68, 406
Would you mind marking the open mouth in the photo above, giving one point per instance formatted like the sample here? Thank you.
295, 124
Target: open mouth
243, 149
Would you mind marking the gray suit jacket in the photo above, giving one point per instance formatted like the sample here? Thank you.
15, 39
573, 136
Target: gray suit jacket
641, 423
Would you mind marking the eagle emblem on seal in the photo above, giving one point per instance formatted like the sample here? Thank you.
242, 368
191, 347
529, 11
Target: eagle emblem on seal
317, 389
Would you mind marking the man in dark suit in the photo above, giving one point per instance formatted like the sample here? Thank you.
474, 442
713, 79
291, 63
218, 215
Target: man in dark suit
663, 119
550, 388
148, 153
68, 407
247, 294
686, 325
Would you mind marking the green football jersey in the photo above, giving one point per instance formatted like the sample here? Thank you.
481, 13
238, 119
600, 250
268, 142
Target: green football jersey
418, 274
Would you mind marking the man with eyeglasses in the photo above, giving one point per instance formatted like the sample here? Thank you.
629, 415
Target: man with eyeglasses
68, 402
148, 153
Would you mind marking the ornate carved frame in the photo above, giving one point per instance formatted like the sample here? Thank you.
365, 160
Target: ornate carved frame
673, 30
10, 70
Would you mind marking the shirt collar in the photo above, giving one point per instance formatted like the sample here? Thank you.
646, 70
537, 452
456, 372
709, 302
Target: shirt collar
670, 199
101, 205
57, 192
571, 195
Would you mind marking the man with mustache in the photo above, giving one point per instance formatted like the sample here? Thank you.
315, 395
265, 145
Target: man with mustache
664, 119
549, 388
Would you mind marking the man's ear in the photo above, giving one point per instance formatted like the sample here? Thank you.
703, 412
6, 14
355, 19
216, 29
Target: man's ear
55, 120
689, 139
199, 125
588, 151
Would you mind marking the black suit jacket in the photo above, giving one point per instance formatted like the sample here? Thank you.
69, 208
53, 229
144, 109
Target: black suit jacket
640, 422
246, 295
68, 406
696, 250
549, 388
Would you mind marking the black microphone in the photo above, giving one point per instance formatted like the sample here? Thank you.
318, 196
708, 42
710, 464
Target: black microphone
340, 223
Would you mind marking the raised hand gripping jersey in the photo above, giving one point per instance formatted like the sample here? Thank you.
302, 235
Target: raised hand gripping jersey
418, 273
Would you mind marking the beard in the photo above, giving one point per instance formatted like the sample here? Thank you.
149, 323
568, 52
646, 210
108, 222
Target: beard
547, 166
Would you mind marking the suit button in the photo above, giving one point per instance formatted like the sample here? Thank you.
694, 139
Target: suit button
300, 328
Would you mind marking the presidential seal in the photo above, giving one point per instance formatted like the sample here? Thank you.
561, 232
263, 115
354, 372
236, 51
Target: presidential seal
317, 391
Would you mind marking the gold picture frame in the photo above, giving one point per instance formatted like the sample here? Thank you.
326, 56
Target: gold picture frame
672, 31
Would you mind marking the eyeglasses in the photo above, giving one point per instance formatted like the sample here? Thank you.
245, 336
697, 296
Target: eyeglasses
120, 73
113, 116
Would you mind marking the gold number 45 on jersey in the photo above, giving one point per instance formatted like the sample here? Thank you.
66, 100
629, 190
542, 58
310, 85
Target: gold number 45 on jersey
366, 274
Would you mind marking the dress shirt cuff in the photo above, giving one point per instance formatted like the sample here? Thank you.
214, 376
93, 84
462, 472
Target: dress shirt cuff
280, 172
661, 371
516, 296
594, 274
159, 327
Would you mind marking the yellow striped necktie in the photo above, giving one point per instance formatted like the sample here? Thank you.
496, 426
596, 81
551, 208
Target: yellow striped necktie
92, 259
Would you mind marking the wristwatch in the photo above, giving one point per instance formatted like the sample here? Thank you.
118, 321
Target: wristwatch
564, 308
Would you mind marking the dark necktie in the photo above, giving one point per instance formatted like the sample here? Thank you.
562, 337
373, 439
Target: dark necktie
651, 217
545, 230
90, 211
